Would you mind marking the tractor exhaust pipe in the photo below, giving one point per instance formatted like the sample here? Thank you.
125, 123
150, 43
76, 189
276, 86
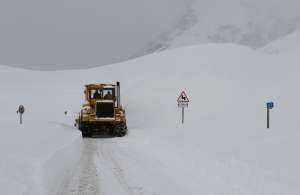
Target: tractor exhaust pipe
118, 94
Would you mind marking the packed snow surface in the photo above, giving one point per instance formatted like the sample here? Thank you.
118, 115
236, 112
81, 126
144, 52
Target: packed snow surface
222, 148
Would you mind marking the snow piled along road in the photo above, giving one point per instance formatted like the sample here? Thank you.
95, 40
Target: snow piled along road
223, 148
36, 158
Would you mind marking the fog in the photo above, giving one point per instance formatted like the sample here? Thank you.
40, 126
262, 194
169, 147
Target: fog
254, 23
55, 34
59, 34
279, 8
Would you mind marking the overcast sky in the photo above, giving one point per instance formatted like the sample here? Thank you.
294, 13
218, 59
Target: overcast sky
68, 33
81, 32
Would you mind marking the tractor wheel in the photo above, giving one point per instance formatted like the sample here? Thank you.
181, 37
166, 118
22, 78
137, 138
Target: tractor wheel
85, 130
120, 129
86, 134
111, 131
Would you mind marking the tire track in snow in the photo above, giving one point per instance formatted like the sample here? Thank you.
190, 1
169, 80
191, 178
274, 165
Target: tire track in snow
106, 155
85, 180
99, 172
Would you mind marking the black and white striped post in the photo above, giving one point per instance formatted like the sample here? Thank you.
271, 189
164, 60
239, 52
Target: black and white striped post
21, 111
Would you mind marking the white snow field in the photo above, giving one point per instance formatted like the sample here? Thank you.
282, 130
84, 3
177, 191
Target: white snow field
223, 147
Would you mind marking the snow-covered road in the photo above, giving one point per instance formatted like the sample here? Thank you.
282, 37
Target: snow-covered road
85, 179
98, 171
104, 169
124, 166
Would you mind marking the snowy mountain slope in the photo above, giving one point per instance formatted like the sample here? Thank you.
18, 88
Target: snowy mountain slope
224, 146
247, 22
285, 45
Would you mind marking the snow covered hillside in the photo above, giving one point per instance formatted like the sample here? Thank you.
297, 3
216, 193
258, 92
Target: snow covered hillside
285, 45
223, 148
247, 22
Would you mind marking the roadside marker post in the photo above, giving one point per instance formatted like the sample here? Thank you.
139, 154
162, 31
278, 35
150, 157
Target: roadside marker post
183, 102
21, 111
270, 105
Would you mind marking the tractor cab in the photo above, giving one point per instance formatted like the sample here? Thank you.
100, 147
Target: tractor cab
101, 91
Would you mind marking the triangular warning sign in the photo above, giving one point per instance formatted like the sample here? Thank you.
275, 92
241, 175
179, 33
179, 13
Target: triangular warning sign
183, 98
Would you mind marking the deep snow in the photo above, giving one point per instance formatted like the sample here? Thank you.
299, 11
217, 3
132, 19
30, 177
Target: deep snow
223, 148
37, 157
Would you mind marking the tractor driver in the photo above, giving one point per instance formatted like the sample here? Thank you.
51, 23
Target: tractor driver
97, 94
108, 95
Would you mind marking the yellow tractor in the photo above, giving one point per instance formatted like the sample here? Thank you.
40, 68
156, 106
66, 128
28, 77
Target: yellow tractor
102, 111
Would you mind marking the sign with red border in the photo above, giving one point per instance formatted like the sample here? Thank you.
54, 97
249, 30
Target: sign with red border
183, 102
183, 99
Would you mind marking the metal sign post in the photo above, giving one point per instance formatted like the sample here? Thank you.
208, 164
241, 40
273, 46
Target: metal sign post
183, 102
270, 105
21, 111
182, 106
182, 114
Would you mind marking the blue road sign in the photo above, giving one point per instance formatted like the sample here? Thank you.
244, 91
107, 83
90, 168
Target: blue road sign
270, 105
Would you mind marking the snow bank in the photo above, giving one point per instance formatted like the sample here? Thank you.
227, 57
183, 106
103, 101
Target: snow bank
223, 148
36, 157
